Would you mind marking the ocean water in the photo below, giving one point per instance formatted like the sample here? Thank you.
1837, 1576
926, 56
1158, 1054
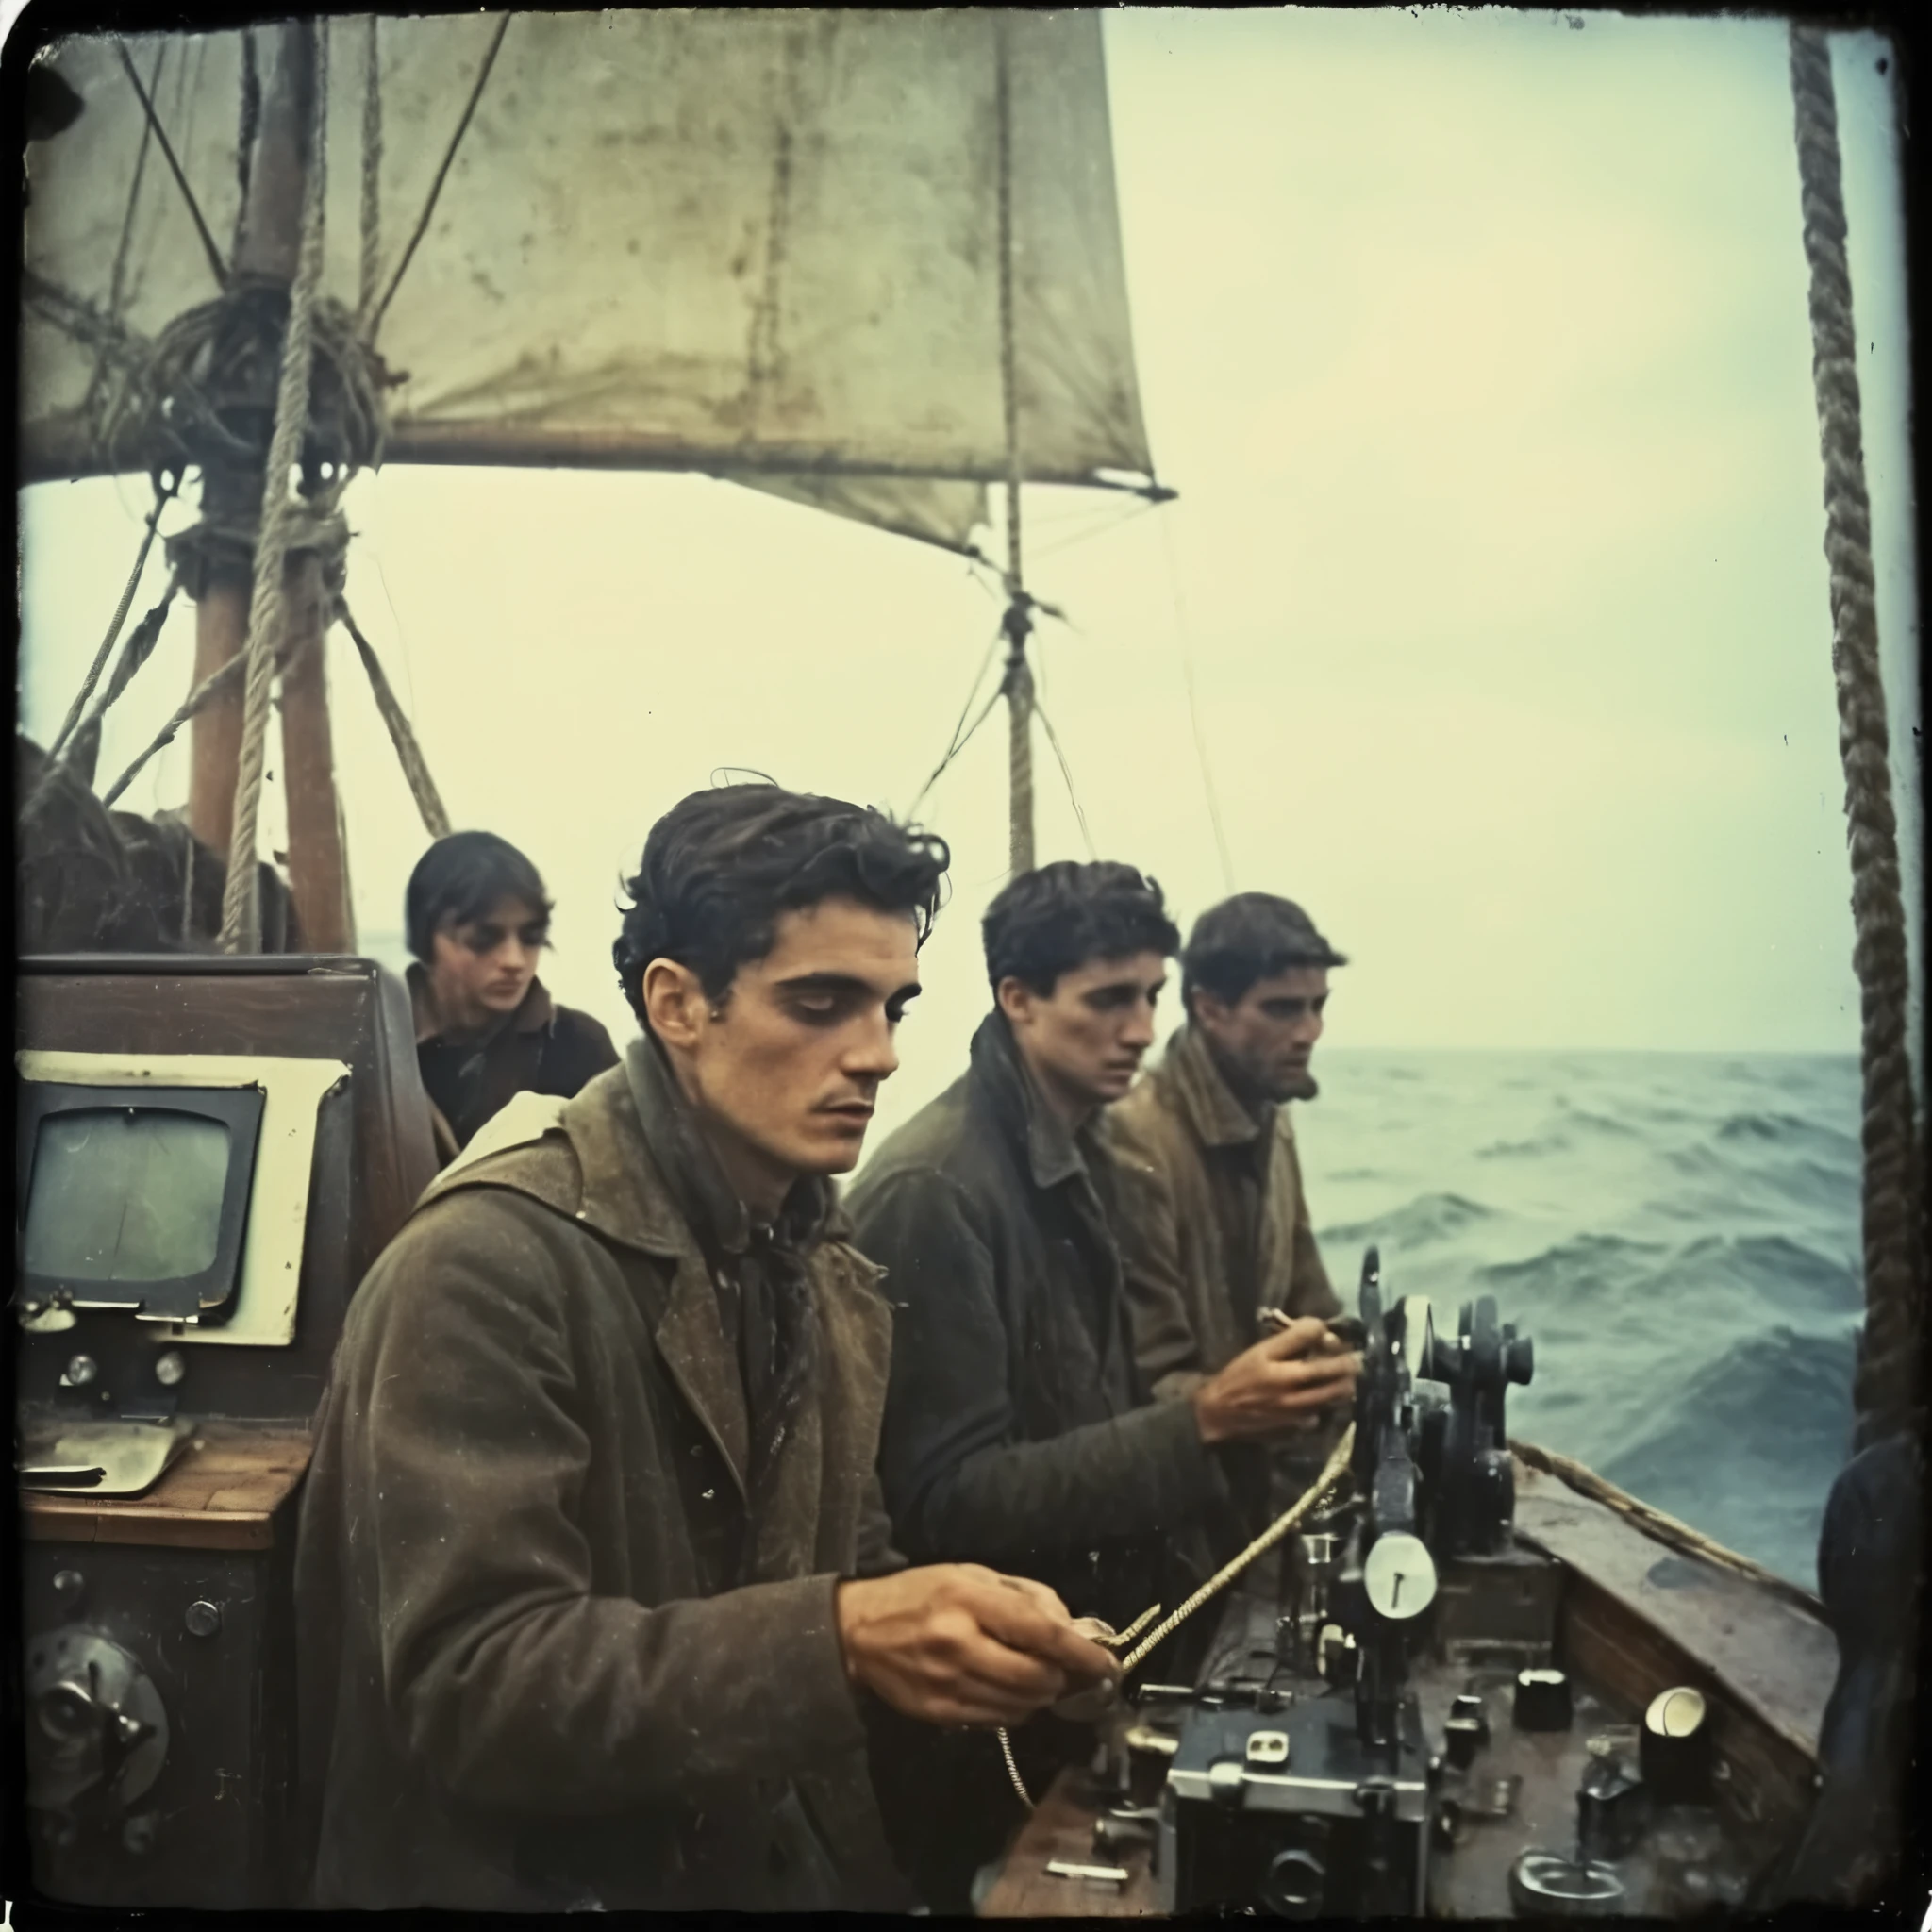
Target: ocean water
1677, 1232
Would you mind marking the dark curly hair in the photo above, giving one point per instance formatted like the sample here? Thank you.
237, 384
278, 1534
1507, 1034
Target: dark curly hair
722, 865
1048, 922
1252, 935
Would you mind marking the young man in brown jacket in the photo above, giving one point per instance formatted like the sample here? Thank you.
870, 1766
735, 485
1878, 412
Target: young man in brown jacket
595, 1591
477, 917
1214, 1219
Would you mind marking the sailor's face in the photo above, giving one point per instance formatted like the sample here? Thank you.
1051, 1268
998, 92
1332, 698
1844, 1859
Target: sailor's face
1266, 1037
483, 968
788, 1065
1086, 1040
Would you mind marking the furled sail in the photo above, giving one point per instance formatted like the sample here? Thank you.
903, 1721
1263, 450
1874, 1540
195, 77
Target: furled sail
765, 245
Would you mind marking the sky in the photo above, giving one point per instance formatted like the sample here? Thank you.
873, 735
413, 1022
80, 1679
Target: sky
1477, 345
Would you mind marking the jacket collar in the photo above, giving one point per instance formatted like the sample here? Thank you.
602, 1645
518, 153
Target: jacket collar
1217, 1118
705, 1200
534, 1012
1054, 1152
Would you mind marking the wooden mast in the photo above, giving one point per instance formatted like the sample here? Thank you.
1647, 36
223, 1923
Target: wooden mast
318, 865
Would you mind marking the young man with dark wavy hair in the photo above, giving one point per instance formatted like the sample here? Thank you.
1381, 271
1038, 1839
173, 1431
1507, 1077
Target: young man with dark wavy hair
477, 917
1216, 1233
597, 1595
1018, 1431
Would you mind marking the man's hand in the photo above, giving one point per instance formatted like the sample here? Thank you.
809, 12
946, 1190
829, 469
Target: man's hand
1281, 1383
955, 1644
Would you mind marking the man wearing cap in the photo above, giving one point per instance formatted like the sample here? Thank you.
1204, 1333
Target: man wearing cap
1214, 1220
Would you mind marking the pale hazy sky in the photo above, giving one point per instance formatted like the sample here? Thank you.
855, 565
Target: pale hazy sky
1477, 347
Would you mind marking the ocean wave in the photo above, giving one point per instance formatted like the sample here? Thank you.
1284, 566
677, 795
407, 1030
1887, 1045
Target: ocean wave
1427, 1217
1747, 1439
1537, 1144
1786, 1129
1585, 1264
1772, 1265
1575, 1116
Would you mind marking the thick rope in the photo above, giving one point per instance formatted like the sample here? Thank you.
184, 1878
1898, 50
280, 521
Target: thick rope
1332, 1472
162, 498
1655, 1523
267, 614
371, 180
1886, 1386
408, 752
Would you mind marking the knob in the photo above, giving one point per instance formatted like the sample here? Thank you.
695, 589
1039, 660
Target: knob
203, 1618
1296, 1883
1543, 1701
68, 1713
1675, 1747
170, 1368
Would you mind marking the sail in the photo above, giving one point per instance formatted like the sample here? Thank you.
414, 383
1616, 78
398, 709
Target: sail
765, 245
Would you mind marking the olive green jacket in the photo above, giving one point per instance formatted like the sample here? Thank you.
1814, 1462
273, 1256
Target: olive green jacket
1178, 1139
531, 1674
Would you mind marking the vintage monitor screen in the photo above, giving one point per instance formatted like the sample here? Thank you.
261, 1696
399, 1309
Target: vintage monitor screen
136, 1198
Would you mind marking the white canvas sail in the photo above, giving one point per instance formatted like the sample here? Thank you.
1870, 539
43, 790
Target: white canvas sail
764, 246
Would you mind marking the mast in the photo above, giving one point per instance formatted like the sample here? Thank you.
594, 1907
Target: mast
231, 496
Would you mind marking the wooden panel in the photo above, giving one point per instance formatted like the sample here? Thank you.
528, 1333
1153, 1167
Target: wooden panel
225, 1494
1062, 1826
1765, 1651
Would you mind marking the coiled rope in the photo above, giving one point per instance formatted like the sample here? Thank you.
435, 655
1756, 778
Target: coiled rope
1886, 1387
267, 614
1332, 1472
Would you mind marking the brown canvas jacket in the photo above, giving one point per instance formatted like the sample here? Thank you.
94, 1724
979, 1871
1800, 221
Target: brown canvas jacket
527, 1680
541, 1048
1178, 1139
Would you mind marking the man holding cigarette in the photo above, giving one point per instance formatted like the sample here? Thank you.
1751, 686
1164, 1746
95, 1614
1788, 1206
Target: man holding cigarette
1214, 1220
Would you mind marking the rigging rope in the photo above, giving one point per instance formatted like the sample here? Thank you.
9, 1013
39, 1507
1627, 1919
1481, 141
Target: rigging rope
85, 750
1180, 624
442, 175
117, 280
267, 615
211, 686
245, 137
1886, 1386
408, 752
956, 743
154, 120
162, 498
1017, 686
1073, 798
372, 180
